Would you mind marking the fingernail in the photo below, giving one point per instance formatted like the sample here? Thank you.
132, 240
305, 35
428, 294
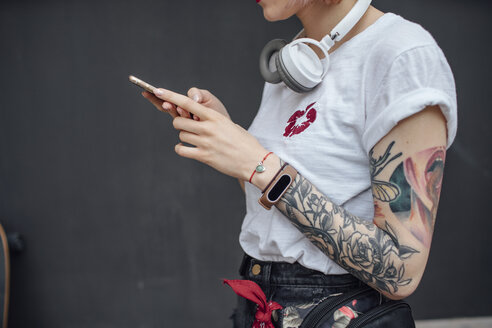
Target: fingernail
180, 111
158, 92
196, 97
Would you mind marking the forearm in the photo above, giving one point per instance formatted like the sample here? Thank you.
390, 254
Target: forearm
376, 256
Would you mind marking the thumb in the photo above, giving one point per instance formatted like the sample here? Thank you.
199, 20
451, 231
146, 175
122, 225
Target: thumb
197, 95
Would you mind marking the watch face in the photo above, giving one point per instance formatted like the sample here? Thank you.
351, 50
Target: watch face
278, 189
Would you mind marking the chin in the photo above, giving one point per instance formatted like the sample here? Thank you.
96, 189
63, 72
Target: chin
270, 18
274, 17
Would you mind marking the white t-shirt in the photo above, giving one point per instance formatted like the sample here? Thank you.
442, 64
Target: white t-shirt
386, 73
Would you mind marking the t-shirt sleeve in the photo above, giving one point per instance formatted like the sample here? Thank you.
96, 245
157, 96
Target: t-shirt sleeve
417, 78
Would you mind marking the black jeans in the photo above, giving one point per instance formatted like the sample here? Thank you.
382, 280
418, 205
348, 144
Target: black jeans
289, 285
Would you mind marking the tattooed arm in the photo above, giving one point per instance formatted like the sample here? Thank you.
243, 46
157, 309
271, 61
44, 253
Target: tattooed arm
391, 252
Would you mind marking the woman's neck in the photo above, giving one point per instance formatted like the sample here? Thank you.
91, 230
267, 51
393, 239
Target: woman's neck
319, 19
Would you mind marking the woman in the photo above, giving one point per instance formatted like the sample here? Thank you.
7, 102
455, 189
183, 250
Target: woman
368, 144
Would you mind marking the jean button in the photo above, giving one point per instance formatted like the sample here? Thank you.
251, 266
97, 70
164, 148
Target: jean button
256, 269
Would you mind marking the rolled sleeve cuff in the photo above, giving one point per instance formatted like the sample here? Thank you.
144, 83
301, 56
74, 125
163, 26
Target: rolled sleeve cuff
406, 106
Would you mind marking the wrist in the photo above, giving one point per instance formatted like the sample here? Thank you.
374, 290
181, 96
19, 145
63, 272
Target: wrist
272, 166
279, 185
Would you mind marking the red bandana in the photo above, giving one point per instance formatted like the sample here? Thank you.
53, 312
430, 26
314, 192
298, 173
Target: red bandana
251, 291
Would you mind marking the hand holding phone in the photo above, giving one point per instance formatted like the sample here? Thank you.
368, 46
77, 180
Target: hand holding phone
199, 95
162, 106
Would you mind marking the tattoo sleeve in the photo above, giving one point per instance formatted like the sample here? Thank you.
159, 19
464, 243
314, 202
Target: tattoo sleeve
374, 251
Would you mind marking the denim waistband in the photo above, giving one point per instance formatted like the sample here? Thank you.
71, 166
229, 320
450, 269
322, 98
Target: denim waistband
283, 273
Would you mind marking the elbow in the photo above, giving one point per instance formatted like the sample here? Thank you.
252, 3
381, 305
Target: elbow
400, 294
403, 291
407, 284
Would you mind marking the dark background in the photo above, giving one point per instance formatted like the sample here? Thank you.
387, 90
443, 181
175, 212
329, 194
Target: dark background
120, 231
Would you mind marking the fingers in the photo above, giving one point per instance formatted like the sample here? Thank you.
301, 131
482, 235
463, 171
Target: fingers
200, 96
181, 123
160, 105
188, 152
153, 99
185, 103
167, 107
183, 113
190, 138
170, 108
196, 95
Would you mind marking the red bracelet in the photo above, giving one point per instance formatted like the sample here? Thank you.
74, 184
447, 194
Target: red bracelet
260, 168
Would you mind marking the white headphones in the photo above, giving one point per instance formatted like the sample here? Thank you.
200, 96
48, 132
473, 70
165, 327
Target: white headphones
297, 65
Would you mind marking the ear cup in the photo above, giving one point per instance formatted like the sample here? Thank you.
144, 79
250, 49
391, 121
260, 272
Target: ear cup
288, 79
272, 48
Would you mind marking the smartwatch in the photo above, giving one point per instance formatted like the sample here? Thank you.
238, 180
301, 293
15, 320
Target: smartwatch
278, 186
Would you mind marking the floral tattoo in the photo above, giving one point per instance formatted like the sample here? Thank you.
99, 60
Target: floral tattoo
373, 254
367, 252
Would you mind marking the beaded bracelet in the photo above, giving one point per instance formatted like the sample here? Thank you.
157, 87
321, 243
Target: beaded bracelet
260, 168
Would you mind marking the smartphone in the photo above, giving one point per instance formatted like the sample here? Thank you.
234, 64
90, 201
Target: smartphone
144, 85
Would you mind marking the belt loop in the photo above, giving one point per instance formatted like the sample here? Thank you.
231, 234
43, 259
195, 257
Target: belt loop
244, 265
266, 275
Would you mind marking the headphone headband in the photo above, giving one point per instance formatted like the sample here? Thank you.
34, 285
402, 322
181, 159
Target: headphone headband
349, 21
297, 64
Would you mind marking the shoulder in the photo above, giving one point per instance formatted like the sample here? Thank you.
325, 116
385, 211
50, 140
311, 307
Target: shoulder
397, 36
405, 72
399, 46
403, 53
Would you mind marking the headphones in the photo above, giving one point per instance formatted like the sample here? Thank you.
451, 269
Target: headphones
297, 65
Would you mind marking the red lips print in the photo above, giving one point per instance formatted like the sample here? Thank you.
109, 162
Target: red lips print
300, 121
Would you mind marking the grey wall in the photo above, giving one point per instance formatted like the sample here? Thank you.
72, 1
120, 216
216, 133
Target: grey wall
120, 232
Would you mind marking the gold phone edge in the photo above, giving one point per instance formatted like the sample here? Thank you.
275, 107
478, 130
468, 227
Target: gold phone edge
135, 80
